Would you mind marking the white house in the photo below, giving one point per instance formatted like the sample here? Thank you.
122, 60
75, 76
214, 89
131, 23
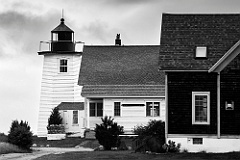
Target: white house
122, 82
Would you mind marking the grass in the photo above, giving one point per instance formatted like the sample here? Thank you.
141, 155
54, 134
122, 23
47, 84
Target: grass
3, 138
68, 142
129, 155
10, 148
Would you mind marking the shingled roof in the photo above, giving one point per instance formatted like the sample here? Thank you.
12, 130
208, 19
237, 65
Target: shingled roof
182, 33
108, 69
71, 106
123, 90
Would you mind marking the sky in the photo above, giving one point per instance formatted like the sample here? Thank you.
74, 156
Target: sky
24, 23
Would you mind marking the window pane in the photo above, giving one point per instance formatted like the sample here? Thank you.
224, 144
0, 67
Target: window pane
63, 65
117, 108
157, 108
148, 108
201, 108
75, 117
92, 109
99, 109
201, 52
153, 109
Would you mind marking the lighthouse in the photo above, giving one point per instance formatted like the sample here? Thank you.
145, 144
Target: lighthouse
60, 73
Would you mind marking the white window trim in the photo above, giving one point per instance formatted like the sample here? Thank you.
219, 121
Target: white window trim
154, 107
68, 65
208, 107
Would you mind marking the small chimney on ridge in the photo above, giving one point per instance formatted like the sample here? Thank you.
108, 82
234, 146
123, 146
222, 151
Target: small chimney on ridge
118, 40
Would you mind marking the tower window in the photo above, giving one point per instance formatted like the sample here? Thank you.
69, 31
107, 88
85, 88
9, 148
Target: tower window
201, 52
63, 65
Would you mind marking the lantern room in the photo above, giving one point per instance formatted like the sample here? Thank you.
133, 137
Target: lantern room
62, 38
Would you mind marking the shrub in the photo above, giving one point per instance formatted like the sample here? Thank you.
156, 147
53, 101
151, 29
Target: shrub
151, 136
107, 133
20, 134
55, 117
154, 128
3, 137
172, 147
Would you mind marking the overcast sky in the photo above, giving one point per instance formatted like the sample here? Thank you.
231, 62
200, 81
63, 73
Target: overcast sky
24, 23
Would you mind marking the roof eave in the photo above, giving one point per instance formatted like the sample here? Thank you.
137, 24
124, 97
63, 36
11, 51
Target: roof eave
164, 70
226, 59
107, 96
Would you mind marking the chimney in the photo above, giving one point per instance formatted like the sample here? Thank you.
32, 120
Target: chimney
118, 40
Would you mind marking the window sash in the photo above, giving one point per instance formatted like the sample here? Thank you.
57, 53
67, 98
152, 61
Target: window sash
92, 109
63, 65
201, 108
117, 108
96, 109
153, 109
75, 117
99, 109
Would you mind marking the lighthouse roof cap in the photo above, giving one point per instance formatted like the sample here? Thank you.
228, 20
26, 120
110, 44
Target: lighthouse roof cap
62, 27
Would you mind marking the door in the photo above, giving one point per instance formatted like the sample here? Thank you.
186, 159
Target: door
65, 119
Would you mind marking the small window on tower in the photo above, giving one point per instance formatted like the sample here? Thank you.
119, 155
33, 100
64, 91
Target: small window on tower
201, 52
63, 65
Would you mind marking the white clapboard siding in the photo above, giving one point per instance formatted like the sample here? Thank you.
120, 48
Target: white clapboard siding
131, 116
58, 87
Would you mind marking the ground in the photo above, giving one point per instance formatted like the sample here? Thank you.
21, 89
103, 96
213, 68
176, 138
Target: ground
77, 148
130, 155
41, 151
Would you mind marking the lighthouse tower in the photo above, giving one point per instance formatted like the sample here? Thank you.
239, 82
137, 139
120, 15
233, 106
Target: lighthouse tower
60, 73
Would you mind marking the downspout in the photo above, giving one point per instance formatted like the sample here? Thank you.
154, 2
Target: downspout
218, 106
166, 106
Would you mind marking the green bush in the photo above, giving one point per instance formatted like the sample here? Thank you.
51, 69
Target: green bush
20, 134
108, 133
55, 117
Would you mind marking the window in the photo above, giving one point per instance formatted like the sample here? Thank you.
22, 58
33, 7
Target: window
153, 109
201, 52
117, 108
201, 108
63, 65
75, 117
55, 36
197, 141
96, 109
